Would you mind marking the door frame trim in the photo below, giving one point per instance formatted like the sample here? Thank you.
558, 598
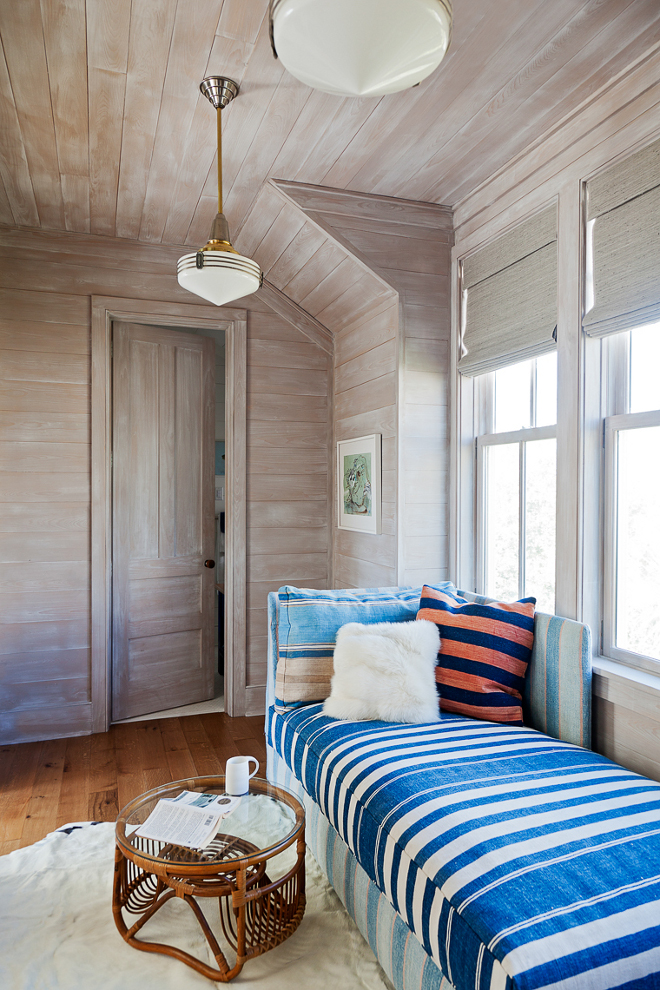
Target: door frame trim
105, 309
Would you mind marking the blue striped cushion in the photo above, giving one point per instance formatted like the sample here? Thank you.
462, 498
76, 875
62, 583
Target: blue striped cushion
397, 949
518, 861
557, 695
484, 653
307, 625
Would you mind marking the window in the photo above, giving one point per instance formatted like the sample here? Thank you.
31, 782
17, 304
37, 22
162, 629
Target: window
516, 481
631, 435
566, 434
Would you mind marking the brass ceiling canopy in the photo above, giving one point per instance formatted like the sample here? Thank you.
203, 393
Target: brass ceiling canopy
219, 91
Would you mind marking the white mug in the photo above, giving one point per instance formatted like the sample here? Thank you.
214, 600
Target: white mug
237, 777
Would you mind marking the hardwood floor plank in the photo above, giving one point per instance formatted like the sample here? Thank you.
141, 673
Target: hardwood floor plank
103, 806
73, 803
41, 811
204, 753
18, 768
220, 737
177, 753
91, 778
130, 776
103, 763
7, 847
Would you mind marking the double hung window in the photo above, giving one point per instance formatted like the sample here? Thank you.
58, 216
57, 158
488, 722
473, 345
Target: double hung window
631, 482
516, 481
587, 511
622, 308
509, 362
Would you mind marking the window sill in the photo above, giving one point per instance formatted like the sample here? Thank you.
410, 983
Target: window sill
627, 687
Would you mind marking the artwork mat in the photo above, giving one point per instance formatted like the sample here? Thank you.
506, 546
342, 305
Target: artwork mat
360, 445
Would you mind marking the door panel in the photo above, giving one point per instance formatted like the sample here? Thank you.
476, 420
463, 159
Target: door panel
163, 447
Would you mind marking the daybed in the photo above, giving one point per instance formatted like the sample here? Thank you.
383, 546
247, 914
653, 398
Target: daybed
479, 855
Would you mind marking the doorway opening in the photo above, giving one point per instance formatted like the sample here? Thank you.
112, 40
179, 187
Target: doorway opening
217, 702
223, 493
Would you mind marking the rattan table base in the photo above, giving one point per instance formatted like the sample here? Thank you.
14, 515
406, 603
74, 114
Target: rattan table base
255, 913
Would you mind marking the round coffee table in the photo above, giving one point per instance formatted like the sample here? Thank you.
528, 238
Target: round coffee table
256, 914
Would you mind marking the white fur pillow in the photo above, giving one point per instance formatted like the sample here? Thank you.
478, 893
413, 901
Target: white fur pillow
385, 671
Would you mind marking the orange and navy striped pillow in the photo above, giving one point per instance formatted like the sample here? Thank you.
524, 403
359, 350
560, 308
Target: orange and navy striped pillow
484, 654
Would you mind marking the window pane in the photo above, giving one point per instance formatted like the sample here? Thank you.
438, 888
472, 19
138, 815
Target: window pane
546, 389
502, 521
638, 542
644, 364
541, 469
512, 397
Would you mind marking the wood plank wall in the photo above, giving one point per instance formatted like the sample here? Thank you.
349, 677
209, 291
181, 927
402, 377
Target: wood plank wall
365, 401
288, 417
391, 377
415, 259
619, 119
44, 513
46, 280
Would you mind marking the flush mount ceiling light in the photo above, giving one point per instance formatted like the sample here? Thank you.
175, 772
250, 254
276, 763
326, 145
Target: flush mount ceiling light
360, 47
217, 271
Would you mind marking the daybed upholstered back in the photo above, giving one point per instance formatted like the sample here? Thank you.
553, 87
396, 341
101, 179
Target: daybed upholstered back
557, 697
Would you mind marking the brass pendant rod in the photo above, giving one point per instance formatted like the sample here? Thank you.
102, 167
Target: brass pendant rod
219, 119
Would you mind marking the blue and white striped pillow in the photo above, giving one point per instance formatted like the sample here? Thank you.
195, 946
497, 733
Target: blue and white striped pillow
307, 626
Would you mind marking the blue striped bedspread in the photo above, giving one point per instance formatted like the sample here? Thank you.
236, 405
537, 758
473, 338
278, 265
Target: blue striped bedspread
517, 860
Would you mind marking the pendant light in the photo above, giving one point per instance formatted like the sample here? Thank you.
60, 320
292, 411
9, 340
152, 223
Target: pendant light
217, 272
360, 47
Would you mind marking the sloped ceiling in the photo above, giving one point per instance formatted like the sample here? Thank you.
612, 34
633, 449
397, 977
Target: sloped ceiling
103, 128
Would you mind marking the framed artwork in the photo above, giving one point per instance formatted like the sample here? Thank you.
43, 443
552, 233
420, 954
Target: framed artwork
359, 484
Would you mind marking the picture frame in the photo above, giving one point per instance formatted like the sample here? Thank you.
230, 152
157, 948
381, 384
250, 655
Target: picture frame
359, 484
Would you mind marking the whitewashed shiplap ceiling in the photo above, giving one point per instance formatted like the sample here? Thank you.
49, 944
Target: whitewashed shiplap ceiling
103, 128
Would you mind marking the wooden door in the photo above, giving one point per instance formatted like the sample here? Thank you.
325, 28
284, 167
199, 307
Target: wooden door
163, 523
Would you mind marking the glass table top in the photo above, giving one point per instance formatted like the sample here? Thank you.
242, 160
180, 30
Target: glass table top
264, 821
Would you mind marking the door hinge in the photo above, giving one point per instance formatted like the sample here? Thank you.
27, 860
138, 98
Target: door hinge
603, 440
602, 635
476, 447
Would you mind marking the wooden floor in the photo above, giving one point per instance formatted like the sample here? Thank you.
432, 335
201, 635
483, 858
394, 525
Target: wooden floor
45, 784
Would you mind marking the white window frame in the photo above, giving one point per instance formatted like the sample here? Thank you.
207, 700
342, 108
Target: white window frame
612, 426
483, 442
589, 376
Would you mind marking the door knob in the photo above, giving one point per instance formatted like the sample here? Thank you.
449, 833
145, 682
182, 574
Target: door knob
209, 563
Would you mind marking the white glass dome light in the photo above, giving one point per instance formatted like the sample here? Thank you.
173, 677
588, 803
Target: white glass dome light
360, 47
221, 277
217, 272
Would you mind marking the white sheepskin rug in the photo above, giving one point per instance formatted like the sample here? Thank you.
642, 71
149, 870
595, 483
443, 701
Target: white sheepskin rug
385, 671
57, 931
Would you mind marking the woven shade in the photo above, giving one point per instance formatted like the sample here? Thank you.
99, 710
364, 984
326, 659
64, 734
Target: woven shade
623, 245
510, 297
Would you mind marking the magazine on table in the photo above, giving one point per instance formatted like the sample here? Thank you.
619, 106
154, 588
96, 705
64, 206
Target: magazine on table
191, 819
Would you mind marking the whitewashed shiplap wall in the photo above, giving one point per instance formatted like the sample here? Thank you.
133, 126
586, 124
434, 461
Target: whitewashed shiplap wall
45, 603
391, 377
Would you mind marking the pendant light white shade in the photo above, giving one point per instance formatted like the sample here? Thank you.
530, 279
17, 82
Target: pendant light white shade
217, 272
361, 47
224, 276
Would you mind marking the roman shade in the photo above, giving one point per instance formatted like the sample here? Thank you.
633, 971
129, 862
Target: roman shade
509, 287
623, 245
